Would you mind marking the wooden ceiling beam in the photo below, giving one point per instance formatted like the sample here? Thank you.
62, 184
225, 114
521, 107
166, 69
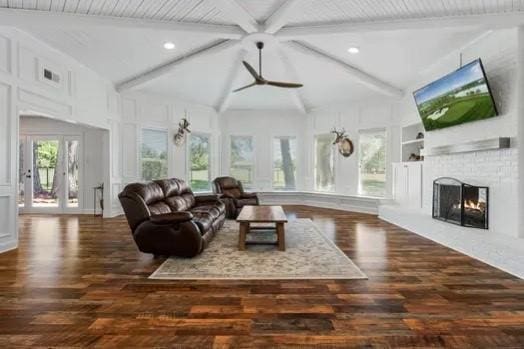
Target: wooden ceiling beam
280, 17
361, 76
35, 19
237, 14
227, 93
149, 75
487, 21
291, 74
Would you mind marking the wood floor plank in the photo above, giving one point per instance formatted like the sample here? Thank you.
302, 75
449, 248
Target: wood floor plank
79, 281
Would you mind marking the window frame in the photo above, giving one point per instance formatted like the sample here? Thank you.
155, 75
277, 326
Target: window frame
254, 161
335, 161
188, 158
386, 159
273, 137
141, 142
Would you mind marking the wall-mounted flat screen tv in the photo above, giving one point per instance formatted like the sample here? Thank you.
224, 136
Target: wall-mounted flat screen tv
459, 97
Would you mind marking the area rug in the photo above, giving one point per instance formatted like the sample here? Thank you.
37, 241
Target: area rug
309, 255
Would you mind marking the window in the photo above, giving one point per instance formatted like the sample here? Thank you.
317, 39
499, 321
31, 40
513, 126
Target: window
242, 158
324, 163
199, 151
372, 162
153, 154
284, 163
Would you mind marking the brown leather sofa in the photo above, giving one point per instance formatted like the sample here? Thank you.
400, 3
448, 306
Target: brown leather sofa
232, 193
166, 218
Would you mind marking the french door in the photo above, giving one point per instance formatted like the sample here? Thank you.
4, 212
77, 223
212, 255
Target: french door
49, 174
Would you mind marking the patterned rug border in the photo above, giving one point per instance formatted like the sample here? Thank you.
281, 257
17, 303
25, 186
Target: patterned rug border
362, 276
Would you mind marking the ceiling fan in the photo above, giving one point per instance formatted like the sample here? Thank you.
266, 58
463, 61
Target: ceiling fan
259, 79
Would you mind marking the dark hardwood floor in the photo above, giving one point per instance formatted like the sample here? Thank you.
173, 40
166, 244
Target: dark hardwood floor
78, 281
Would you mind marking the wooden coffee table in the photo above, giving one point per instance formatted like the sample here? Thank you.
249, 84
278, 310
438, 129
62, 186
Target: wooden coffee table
262, 214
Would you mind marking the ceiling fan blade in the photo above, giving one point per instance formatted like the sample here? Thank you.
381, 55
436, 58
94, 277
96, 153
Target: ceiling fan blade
284, 84
244, 87
251, 70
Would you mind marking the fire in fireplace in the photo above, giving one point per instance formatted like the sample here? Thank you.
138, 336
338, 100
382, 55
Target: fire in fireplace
460, 203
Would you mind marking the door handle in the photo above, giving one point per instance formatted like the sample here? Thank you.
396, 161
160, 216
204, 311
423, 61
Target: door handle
28, 176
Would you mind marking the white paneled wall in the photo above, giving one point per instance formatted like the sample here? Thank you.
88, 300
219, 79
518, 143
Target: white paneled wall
354, 118
80, 96
263, 126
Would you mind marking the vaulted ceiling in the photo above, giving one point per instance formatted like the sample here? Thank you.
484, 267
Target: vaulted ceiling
307, 42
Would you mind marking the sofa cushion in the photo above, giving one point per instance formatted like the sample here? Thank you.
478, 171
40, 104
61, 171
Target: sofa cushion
181, 202
203, 220
213, 210
149, 192
159, 207
169, 186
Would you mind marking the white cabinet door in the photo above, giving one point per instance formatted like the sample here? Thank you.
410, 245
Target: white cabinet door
400, 183
407, 184
414, 184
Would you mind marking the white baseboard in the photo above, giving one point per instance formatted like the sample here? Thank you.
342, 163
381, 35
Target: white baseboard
8, 245
348, 203
498, 250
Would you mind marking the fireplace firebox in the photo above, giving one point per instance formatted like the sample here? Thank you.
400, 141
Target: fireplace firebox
460, 203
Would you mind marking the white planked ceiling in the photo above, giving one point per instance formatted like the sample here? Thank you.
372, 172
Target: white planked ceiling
314, 11
121, 53
394, 57
182, 10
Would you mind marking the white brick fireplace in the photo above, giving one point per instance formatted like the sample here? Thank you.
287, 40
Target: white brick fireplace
503, 244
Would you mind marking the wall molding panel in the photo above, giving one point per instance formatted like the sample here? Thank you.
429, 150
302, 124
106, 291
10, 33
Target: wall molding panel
130, 157
6, 65
6, 129
46, 104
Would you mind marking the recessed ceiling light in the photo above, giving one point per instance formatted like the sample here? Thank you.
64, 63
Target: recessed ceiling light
353, 50
169, 45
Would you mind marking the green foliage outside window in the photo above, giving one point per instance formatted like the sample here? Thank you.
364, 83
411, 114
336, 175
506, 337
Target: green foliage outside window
199, 150
242, 157
154, 154
372, 160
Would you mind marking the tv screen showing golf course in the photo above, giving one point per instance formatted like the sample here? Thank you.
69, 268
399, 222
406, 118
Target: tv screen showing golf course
459, 97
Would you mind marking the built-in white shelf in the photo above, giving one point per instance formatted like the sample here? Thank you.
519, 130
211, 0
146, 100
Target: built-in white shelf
410, 141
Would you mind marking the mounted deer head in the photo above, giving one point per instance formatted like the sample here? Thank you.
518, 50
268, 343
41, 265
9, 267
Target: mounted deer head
183, 129
345, 145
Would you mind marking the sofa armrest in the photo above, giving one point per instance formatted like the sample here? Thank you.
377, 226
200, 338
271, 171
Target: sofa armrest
249, 195
200, 199
171, 218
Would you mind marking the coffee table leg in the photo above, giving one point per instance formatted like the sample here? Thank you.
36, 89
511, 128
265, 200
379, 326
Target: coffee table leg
281, 237
244, 227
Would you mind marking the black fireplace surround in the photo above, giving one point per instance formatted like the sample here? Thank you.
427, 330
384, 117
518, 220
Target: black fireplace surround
460, 203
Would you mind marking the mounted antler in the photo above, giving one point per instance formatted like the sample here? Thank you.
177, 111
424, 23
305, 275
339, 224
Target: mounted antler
345, 146
340, 135
183, 128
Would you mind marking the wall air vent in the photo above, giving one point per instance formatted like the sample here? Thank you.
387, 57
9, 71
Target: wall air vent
51, 76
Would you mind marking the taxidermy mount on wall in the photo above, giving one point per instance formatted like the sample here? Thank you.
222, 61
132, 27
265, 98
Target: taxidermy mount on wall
345, 145
183, 129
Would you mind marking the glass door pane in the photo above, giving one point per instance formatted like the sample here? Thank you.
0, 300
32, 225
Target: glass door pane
46, 173
72, 159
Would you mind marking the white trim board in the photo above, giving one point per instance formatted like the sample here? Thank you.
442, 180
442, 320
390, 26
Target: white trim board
500, 251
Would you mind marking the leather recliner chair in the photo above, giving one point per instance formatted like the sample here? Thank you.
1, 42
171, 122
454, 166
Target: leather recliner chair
232, 193
166, 218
